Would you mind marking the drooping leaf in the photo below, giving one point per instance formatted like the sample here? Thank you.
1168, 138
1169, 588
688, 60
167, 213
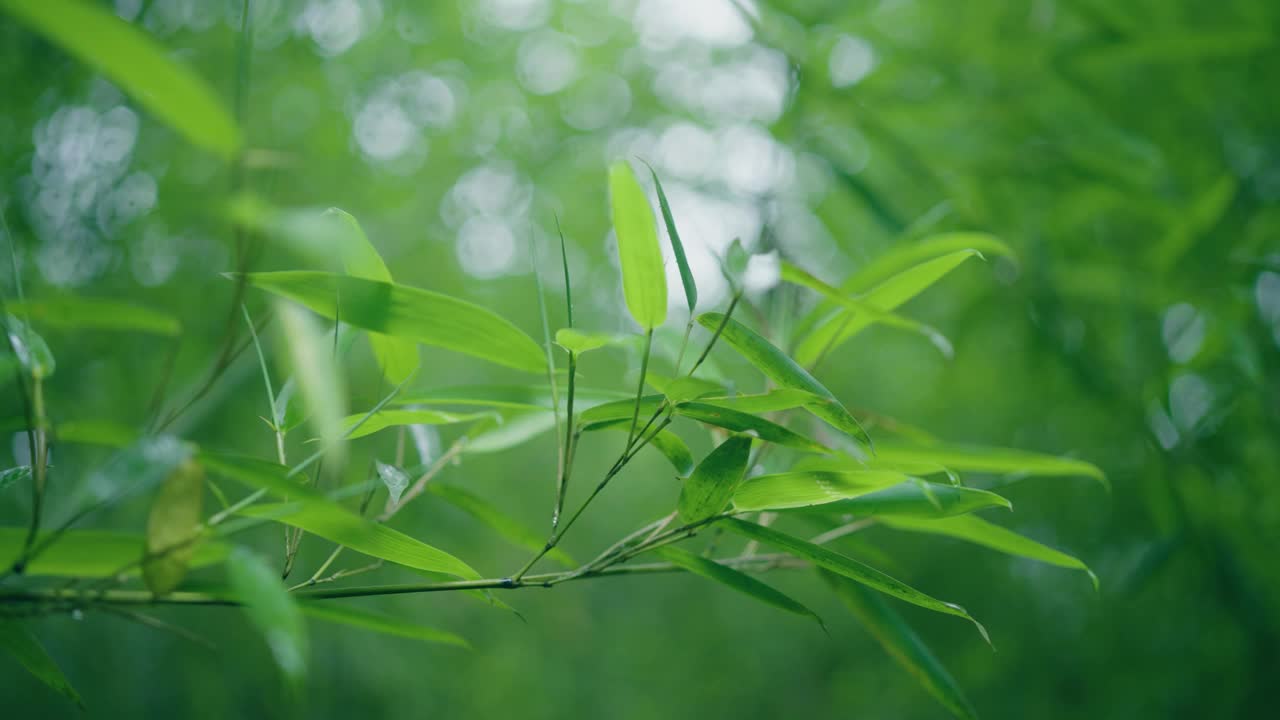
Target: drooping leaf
135, 63
743, 422
785, 491
506, 396
644, 280
902, 643
708, 489
79, 313
407, 312
18, 642
974, 529
677, 247
775, 364
1005, 461
92, 553
734, 579
384, 419
32, 351
910, 499
322, 386
173, 528
394, 479
506, 526
344, 615
272, 610
847, 567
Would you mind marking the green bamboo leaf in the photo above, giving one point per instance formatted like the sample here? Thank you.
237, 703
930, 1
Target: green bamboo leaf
644, 280
767, 402
32, 351
835, 329
666, 442
907, 256
272, 610
21, 645
498, 521
677, 247
785, 491
775, 364
848, 567
322, 386
902, 643
711, 485
92, 553
916, 498
137, 64
402, 311
173, 528
996, 460
678, 390
508, 430
578, 342
607, 413
734, 579
343, 615
79, 313
974, 529
743, 422
384, 419
506, 396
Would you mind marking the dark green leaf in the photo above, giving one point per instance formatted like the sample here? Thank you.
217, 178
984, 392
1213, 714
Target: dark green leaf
742, 422
21, 645
343, 615
677, 247
644, 279
734, 579
708, 489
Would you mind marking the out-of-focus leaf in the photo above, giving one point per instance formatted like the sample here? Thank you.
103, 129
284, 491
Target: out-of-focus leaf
498, 521
910, 499
902, 643
14, 475
96, 432
509, 430
92, 553
974, 529
173, 528
775, 364
395, 479
847, 567
506, 396
644, 279
1005, 461
734, 579
680, 389
18, 642
272, 610
767, 402
343, 615
743, 422
708, 489
784, 491
135, 63
407, 312
322, 386
32, 351
677, 247
384, 419
79, 313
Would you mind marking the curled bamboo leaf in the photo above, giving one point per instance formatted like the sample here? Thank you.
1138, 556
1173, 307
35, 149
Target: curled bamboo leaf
711, 485
644, 280
173, 528
271, 610
735, 580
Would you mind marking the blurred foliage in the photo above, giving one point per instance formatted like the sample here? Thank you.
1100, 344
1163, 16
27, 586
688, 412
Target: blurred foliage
1128, 152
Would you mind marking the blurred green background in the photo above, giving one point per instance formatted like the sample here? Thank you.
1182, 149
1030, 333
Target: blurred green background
1128, 151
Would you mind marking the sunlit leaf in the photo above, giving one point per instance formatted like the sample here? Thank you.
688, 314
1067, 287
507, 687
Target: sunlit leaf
33, 353
344, 615
498, 521
767, 402
775, 364
644, 279
579, 342
18, 642
1005, 461
384, 419
734, 579
407, 312
708, 489
322, 386
677, 247
272, 610
173, 528
394, 479
136, 64
506, 396
743, 422
847, 567
80, 313
93, 553
902, 643
910, 499
783, 491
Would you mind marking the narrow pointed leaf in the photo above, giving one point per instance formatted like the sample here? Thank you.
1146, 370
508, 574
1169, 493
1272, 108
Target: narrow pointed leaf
1005, 461
847, 567
677, 247
80, 313
92, 553
734, 579
508, 430
18, 642
775, 364
506, 396
173, 528
578, 342
272, 610
743, 422
678, 390
401, 311
909, 499
135, 63
785, 491
384, 419
344, 615
322, 386
711, 485
644, 280
620, 410
500, 522
902, 643
767, 402
974, 529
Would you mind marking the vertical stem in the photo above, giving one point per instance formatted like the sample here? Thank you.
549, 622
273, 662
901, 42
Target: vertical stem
644, 368
39, 444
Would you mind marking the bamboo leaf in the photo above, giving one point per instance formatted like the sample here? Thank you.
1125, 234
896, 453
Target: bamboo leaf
734, 579
80, 313
644, 280
775, 364
401, 311
916, 498
137, 64
508, 430
1007, 461
609, 412
343, 615
974, 529
711, 485
902, 643
848, 567
681, 389
322, 386
506, 396
32, 351
578, 342
272, 610
677, 247
384, 419
21, 645
498, 521
785, 491
767, 402
92, 553
173, 528
743, 422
